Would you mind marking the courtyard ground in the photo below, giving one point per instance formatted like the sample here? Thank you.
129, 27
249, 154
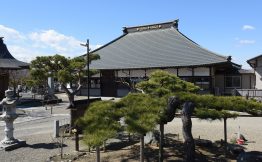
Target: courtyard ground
37, 130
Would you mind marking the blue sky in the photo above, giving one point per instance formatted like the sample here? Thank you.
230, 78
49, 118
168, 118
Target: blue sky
32, 28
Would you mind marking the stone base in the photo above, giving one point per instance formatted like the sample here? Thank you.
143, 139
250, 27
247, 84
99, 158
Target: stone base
8, 147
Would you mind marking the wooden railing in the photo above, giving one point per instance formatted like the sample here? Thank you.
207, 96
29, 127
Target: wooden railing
248, 92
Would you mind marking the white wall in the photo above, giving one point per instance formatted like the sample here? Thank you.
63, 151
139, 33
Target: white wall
201, 71
172, 70
185, 72
247, 81
258, 73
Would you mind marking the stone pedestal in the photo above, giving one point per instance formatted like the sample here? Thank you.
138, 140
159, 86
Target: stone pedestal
11, 146
8, 116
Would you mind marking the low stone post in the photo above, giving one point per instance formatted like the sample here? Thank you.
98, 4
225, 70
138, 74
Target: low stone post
56, 129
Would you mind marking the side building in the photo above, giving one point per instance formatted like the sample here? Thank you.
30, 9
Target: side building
256, 64
9, 68
133, 56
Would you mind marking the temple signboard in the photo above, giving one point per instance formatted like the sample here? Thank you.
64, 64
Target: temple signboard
151, 27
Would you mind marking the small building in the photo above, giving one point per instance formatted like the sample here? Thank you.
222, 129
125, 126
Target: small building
256, 64
133, 56
8, 64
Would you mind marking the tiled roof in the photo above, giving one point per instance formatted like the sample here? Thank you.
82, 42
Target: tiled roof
7, 61
153, 46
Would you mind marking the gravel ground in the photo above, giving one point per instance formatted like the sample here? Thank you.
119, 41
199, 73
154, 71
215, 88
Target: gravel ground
36, 129
250, 127
38, 149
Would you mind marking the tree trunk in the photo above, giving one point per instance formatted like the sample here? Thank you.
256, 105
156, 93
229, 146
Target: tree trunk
71, 98
225, 135
77, 139
97, 154
104, 146
70, 95
225, 130
188, 108
62, 147
141, 148
161, 142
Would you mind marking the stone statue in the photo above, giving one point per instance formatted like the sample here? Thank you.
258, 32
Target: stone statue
9, 115
188, 108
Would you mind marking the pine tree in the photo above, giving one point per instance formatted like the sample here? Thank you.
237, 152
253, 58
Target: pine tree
100, 122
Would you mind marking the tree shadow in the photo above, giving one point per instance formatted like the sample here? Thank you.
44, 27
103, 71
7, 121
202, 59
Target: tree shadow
173, 151
114, 146
203, 153
250, 156
150, 154
48, 146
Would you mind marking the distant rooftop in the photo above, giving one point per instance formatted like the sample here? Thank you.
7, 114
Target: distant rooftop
154, 46
252, 62
246, 71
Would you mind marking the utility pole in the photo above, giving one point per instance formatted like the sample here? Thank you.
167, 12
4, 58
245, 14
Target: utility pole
88, 72
88, 90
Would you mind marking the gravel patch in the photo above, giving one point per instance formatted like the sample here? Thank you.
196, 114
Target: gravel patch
36, 128
38, 149
250, 127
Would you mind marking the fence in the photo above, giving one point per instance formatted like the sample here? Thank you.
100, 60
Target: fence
253, 93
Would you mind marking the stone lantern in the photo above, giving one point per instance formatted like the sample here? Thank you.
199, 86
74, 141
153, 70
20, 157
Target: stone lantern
8, 116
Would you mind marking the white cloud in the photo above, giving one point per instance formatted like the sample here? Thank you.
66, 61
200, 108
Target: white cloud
246, 41
25, 54
61, 43
10, 33
248, 27
26, 47
93, 47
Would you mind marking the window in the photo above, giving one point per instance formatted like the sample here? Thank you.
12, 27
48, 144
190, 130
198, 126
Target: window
233, 81
203, 83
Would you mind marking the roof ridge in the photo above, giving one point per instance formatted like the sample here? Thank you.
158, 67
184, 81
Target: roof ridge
154, 26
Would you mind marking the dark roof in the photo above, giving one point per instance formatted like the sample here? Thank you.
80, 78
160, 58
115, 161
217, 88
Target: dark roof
154, 46
7, 61
252, 61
